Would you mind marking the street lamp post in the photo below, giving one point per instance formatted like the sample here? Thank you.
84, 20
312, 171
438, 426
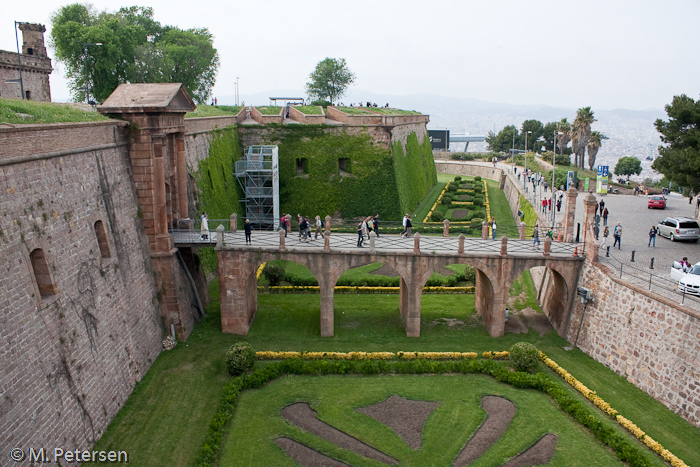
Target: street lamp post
236, 90
87, 86
526, 133
19, 62
554, 166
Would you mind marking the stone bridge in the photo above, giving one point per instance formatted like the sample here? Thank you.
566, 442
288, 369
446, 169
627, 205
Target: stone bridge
498, 264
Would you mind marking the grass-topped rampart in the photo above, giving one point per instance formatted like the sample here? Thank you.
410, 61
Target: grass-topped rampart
16, 111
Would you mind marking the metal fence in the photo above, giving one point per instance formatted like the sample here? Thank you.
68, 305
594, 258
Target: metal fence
651, 279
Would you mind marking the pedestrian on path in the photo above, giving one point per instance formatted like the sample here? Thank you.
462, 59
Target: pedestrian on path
536, 238
204, 231
247, 228
493, 227
605, 216
360, 234
544, 205
375, 224
606, 232
319, 227
652, 236
283, 224
617, 234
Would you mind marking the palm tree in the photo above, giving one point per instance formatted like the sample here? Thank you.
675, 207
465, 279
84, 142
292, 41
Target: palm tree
563, 127
581, 133
596, 141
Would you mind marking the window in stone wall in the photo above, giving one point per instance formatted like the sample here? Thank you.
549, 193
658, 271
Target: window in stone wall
40, 266
29, 95
30, 51
102, 239
344, 165
302, 166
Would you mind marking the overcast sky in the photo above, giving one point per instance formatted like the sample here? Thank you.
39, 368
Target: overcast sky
603, 53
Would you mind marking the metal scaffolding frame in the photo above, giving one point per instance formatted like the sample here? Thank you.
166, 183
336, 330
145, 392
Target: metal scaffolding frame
258, 176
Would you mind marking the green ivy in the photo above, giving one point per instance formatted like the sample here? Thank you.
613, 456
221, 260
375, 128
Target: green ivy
414, 171
219, 191
529, 215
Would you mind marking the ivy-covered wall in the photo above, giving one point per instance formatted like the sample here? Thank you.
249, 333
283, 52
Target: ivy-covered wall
414, 171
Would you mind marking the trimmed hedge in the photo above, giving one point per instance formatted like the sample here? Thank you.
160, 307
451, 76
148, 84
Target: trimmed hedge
625, 450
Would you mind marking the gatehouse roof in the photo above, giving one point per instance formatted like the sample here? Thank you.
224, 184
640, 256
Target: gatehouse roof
148, 97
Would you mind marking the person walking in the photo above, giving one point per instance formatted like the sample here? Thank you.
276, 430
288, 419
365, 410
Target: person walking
493, 228
405, 218
307, 228
606, 232
283, 224
549, 204
375, 224
559, 205
360, 234
602, 206
303, 229
248, 229
605, 216
319, 227
652, 236
544, 205
204, 230
408, 226
535, 238
617, 235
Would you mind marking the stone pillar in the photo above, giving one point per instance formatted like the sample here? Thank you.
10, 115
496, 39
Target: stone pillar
372, 241
569, 214
233, 222
161, 218
416, 244
522, 230
484, 230
327, 240
282, 240
181, 167
328, 225
589, 206
446, 228
460, 248
547, 246
504, 246
327, 291
237, 305
220, 236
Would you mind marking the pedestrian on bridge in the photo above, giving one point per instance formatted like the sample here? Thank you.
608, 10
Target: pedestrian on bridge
204, 230
360, 234
536, 237
319, 227
248, 229
493, 228
375, 223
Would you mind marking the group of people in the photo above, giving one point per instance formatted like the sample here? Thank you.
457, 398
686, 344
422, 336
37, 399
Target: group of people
369, 104
617, 235
536, 236
305, 225
367, 225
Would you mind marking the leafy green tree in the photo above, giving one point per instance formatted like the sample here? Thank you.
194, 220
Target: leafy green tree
134, 48
550, 129
503, 141
628, 166
593, 145
330, 80
581, 134
679, 159
535, 126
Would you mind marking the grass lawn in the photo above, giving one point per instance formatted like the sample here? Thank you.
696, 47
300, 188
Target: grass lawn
17, 111
354, 111
257, 421
309, 109
270, 110
214, 111
385, 111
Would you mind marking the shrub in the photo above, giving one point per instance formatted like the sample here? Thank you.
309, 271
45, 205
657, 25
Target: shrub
478, 188
459, 177
437, 216
239, 358
446, 199
478, 201
274, 273
524, 356
321, 102
477, 178
452, 187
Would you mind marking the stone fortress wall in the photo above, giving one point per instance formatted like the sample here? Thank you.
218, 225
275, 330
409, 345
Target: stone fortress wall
642, 336
80, 322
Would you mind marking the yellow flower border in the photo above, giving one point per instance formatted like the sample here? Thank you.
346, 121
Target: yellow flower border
667, 455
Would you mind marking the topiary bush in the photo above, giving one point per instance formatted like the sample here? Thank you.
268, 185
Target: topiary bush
452, 187
478, 188
458, 178
524, 356
478, 201
446, 199
477, 178
274, 273
239, 358
437, 216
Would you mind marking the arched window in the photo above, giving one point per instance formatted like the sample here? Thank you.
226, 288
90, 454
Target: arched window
102, 239
41, 273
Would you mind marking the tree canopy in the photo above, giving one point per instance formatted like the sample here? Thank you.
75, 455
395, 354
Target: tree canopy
581, 134
134, 48
679, 159
330, 80
503, 141
628, 166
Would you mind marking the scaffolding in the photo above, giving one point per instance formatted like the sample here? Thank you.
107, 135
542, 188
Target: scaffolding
258, 176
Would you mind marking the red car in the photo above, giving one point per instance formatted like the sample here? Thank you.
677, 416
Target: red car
656, 202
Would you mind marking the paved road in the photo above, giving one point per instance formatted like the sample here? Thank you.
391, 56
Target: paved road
636, 220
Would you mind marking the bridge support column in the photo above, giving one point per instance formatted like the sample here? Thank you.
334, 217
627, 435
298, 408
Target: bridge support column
409, 306
238, 291
327, 311
490, 305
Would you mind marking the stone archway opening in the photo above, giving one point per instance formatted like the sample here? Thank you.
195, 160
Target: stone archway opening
554, 297
524, 310
451, 306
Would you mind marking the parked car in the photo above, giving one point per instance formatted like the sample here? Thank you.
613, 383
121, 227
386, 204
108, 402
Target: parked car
679, 228
656, 201
688, 282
